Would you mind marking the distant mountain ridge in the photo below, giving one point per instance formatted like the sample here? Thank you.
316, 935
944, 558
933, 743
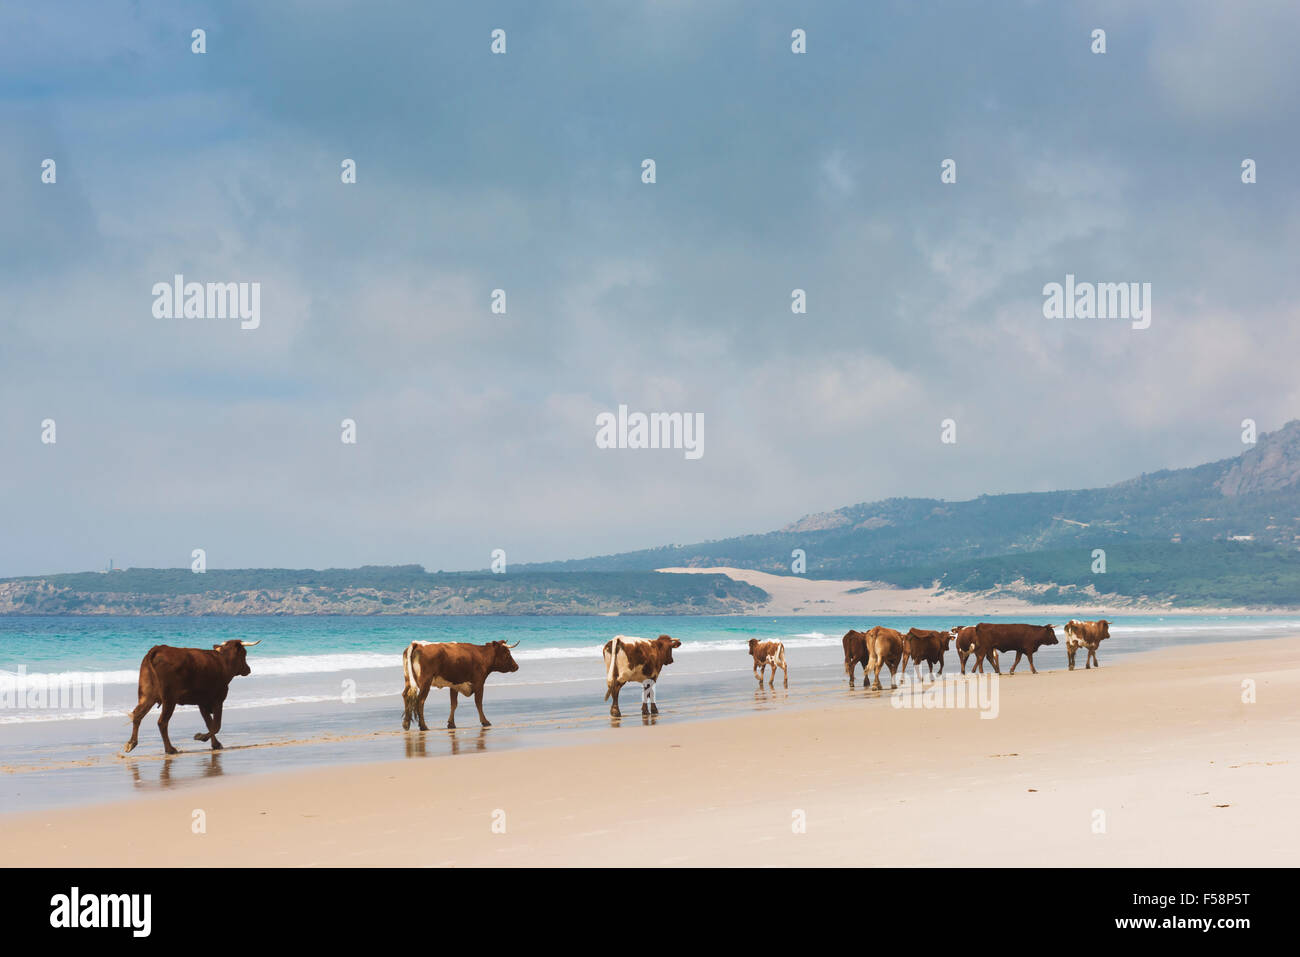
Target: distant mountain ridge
1178, 520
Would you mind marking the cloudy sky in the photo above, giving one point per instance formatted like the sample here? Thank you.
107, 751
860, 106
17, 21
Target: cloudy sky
522, 171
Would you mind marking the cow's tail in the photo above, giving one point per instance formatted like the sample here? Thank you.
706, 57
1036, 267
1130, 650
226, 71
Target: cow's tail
611, 669
411, 672
146, 671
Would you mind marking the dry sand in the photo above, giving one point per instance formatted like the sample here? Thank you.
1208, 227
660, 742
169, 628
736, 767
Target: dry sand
1161, 744
794, 595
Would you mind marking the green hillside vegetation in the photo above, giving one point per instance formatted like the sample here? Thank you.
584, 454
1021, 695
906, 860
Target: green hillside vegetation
399, 589
1206, 573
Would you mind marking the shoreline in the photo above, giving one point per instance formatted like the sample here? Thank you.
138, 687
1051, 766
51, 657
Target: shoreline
1160, 742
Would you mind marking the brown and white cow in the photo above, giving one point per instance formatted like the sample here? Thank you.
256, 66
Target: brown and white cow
929, 646
1022, 639
171, 676
885, 646
964, 635
459, 666
1089, 634
767, 653
855, 653
636, 659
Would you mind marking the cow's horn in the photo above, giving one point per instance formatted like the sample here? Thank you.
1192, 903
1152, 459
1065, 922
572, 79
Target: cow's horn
515, 645
250, 644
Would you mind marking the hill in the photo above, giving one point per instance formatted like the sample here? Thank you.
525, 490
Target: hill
372, 590
1224, 532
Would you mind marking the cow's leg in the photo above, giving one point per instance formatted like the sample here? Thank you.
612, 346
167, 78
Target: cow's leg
1015, 663
167, 708
613, 708
419, 703
962, 658
1095, 662
478, 703
451, 718
772, 680
648, 705
785, 675
206, 715
1032, 669
1069, 654
850, 667
216, 725
893, 677
143, 708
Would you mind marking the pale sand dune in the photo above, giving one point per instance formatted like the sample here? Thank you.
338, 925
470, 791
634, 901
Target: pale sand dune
794, 595
1157, 742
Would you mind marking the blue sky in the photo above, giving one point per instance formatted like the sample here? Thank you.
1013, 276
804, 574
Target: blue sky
522, 172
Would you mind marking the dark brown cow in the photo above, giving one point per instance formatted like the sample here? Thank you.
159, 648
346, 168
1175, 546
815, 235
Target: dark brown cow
1022, 639
855, 653
636, 659
965, 638
885, 646
1089, 634
928, 646
767, 653
171, 676
457, 665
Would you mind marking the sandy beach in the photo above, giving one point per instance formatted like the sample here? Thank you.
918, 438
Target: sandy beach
798, 594
1153, 760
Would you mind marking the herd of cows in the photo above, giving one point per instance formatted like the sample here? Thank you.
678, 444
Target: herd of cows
196, 676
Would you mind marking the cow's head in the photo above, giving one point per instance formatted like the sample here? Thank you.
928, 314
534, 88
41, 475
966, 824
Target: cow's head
236, 659
668, 644
753, 643
1104, 627
945, 640
502, 659
1049, 635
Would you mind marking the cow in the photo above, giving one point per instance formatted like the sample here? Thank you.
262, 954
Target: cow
885, 646
636, 659
1089, 634
965, 637
1022, 639
458, 665
928, 646
171, 676
855, 652
767, 653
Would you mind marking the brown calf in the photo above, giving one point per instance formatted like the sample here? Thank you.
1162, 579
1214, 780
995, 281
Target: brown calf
928, 646
767, 653
1089, 634
460, 666
171, 676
